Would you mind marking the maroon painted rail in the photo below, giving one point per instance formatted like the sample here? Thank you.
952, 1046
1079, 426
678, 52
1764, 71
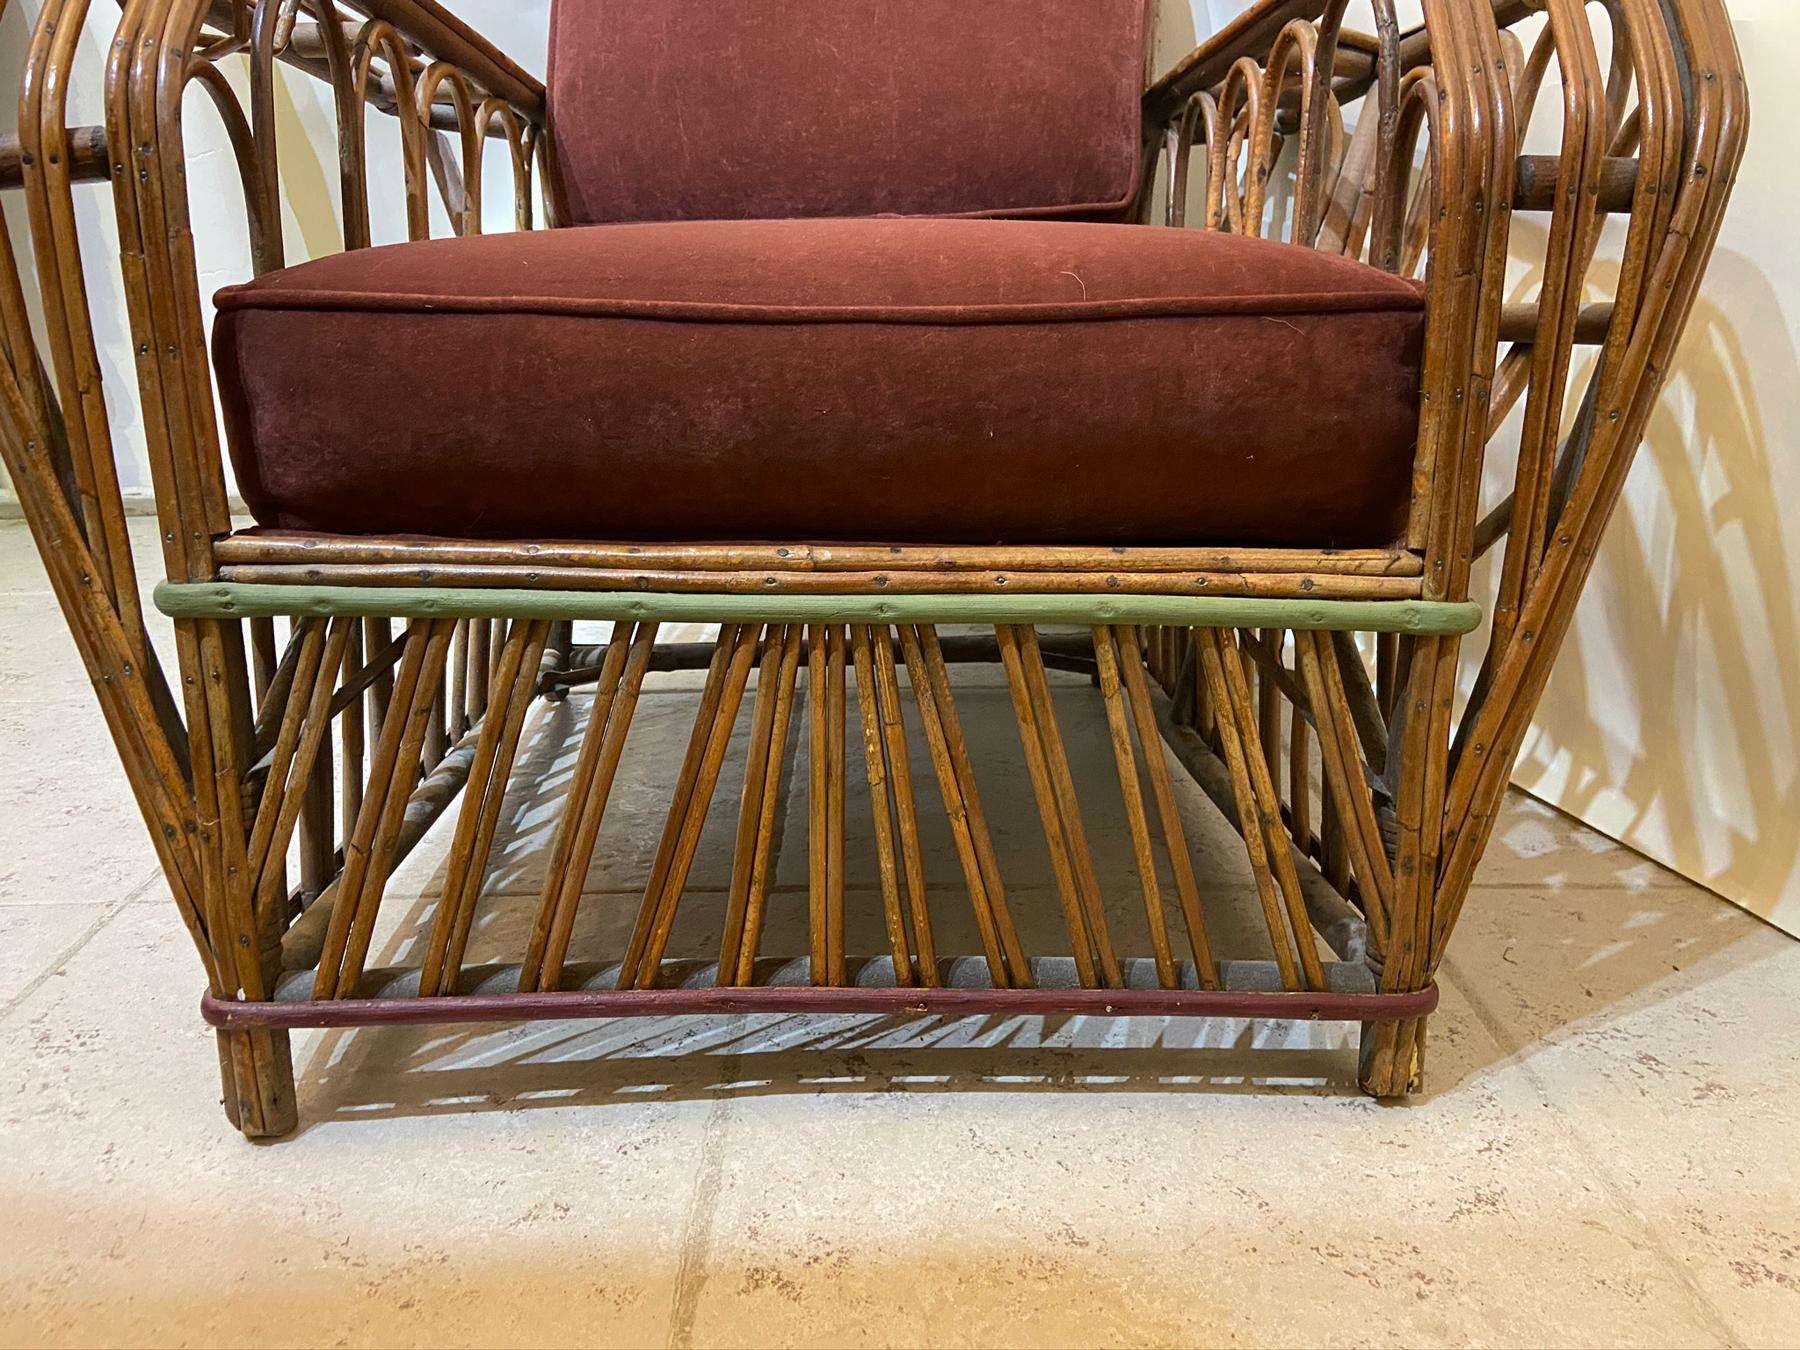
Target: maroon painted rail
366, 1012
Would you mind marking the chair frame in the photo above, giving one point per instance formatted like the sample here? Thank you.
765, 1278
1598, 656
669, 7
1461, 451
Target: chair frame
305, 732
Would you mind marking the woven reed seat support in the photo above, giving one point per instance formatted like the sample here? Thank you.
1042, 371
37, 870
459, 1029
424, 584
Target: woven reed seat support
851, 708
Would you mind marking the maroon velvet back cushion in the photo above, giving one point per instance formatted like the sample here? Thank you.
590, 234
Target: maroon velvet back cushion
768, 109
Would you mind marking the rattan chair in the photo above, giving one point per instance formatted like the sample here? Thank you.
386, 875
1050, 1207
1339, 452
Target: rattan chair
855, 338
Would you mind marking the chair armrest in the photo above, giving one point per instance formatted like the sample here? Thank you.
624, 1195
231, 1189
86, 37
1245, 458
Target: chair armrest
1430, 176
56, 437
430, 27
1430, 173
436, 30
455, 94
1252, 34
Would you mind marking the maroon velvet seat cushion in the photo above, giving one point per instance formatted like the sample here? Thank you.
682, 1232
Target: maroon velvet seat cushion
949, 381
769, 109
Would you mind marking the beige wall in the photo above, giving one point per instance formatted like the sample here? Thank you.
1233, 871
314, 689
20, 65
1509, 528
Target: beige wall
1673, 720
1674, 717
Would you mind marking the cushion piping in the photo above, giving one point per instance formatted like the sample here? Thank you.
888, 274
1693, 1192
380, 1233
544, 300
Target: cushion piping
1405, 297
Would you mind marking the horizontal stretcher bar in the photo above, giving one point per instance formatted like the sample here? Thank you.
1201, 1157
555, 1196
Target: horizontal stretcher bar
1252, 990
244, 600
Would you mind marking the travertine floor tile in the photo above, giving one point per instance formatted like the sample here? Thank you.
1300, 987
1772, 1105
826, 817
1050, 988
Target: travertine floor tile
1166, 1194
70, 829
34, 939
1658, 1026
1538, 846
414, 1207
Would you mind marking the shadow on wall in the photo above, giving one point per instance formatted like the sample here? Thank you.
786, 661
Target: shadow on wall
1687, 752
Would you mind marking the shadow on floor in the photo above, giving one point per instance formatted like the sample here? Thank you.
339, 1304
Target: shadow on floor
1553, 939
423, 1071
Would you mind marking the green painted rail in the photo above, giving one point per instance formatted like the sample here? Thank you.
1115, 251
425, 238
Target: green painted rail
243, 600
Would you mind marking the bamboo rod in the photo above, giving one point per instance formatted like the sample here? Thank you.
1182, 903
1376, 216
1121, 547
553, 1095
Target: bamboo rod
371, 851
1267, 805
716, 725
86, 157
937, 676
1240, 753
1068, 803
1225, 585
748, 837
768, 823
234, 600
1187, 890
818, 869
304, 769
1541, 184
1343, 929
571, 846
834, 803
1112, 696
1025, 711
473, 841
893, 730
295, 549
931, 717
1062, 651
880, 801
1347, 785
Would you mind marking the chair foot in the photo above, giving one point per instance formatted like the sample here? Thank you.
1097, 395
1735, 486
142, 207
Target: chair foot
256, 1070
1392, 1059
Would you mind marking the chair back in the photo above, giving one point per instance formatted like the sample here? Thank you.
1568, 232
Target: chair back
772, 109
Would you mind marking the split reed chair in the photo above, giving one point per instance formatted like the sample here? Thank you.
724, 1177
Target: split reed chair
854, 337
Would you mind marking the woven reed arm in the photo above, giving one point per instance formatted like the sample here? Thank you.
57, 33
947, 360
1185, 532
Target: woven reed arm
1409, 150
453, 94
189, 746
1252, 34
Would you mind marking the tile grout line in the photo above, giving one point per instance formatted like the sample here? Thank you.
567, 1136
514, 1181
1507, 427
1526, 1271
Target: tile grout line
696, 1231
1615, 1192
111, 911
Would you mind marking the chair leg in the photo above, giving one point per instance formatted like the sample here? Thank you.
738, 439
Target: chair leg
256, 1069
1392, 1060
